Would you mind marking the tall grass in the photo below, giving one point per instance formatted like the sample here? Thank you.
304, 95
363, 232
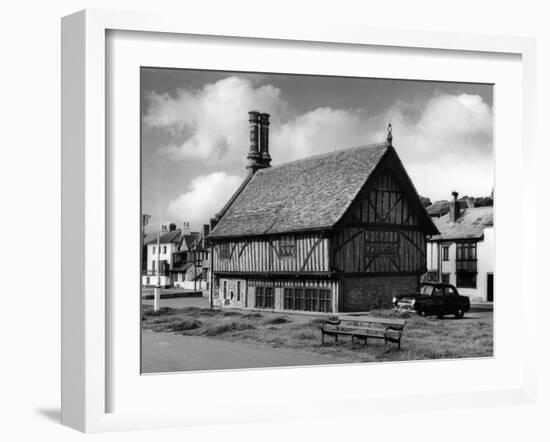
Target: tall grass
423, 338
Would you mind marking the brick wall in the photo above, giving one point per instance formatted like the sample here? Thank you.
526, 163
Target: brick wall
366, 293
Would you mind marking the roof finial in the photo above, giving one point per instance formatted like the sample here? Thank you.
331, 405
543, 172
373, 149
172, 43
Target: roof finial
389, 138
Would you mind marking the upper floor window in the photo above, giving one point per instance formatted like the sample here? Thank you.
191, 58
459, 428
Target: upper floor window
382, 243
466, 265
445, 253
164, 249
225, 251
287, 247
154, 249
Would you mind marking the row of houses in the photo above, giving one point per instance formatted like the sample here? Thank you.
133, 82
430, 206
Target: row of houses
338, 232
176, 257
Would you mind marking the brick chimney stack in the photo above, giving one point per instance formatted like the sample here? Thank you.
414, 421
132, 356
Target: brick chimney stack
254, 157
258, 154
454, 208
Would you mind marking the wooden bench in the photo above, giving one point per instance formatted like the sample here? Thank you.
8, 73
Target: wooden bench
365, 327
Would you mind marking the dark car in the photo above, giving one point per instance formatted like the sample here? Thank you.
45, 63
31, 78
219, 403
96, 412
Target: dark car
434, 299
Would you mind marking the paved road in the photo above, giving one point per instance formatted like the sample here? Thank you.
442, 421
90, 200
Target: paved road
477, 312
193, 301
165, 352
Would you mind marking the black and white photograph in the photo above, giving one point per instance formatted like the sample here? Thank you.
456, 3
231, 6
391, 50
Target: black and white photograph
275, 221
296, 220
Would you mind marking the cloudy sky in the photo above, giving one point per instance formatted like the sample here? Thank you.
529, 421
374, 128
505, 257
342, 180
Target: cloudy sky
195, 132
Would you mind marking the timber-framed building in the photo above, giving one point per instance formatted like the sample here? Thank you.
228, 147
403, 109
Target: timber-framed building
338, 232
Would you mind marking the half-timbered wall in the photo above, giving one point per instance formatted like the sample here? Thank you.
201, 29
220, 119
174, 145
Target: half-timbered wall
287, 253
385, 202
381, 232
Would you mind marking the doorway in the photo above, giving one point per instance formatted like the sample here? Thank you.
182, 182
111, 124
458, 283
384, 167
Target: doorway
490, 293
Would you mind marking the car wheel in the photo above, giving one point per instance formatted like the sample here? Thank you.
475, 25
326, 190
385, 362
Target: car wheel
459, 313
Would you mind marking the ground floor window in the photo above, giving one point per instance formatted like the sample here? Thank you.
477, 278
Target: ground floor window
265, 298
467, 280
446, 278
313, 300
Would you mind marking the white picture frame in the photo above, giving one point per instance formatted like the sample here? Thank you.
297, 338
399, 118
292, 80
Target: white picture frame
86, 316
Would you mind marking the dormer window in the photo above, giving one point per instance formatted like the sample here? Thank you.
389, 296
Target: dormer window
287, 247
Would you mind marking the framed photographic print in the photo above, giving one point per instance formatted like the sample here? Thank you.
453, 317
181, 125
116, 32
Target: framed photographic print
281, 220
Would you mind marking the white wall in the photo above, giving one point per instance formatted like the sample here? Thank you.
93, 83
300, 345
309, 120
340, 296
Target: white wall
432, 256
163, 256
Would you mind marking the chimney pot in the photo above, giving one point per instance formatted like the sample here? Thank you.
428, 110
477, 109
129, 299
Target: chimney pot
454, 208
253, 122
264, 139
258, 155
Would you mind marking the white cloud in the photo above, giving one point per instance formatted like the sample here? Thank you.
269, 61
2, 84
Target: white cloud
206, 196
321, 130
447, 146
212, 120
444, 141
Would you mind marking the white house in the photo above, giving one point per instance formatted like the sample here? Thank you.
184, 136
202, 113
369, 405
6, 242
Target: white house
463, 252
159, 257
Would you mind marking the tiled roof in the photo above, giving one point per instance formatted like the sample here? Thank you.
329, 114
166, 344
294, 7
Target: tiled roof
168, 237
308, 194
469, 225
183, 267
440, 208
191, 239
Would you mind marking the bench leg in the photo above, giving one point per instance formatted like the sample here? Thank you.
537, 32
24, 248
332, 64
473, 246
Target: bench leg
336, 338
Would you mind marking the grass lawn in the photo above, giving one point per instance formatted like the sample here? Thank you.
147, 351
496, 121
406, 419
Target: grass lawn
424, 338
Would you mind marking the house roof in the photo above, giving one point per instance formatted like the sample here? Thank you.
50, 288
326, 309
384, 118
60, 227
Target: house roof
182, 268
469, 225
440, 208
308, 194
169, 237
190, 240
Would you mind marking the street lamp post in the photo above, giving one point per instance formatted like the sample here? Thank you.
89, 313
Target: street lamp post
156, 290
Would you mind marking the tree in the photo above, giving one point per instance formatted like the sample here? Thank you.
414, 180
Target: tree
426, 202
483, 201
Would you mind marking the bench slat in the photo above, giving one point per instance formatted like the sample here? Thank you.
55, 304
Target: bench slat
372, 320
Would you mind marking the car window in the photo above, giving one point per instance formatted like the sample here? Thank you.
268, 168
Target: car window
449, 291
438, 291
426, 289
